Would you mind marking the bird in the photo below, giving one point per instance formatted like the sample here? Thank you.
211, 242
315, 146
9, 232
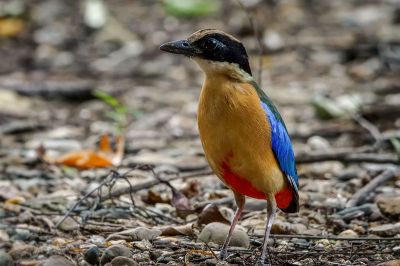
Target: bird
244, 137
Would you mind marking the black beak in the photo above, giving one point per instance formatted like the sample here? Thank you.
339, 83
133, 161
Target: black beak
179, 47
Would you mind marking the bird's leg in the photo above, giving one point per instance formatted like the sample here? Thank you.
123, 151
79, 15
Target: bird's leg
240, 200
271, 210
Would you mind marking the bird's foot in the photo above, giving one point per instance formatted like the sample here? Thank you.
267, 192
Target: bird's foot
223, 254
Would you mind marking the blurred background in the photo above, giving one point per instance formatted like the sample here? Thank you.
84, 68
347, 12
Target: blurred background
73, 70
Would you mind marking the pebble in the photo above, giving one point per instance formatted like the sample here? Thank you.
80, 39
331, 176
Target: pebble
386, 230
336, 203
57, 260
115, 251
389, 206
255, 205
318, 143
123, 261
92, 255
6, 259
217, 232
4, 237
300, 242
283, 228
137, 234
312, 232
390, 263
69, 224
20, 234
396, 250
211, 262
348, 233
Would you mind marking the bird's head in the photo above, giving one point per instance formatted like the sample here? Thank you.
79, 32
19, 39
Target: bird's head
216, 52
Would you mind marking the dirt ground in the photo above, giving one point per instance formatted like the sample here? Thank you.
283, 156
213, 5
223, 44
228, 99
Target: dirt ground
72, 71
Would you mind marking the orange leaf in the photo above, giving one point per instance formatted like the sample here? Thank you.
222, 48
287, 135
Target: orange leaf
87, 159
104, 145
10, 27
84, 160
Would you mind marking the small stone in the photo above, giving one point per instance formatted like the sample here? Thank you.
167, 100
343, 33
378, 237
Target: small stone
123, 261
6, 259
217, 232
115, 251
273, 40
142, 257
390, 263
211, 262
136, 234
255, 205
57, 260
283, 228
92, 255
336, 203
318, 143
312, 232
300, 242
316, 218
69, 224
348, 233
20, 234
4, 237
396, 250
389, 206
386, 230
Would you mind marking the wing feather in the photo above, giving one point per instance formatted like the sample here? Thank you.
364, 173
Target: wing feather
281, 146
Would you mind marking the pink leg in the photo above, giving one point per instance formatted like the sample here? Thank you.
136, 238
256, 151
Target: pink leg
271, 210
240, 200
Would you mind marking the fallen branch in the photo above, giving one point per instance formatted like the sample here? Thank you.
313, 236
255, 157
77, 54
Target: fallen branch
346, 157
360, 195
309, 237
106, 179
154, 182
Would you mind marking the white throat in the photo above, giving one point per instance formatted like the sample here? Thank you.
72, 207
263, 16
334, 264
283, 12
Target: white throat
232, 70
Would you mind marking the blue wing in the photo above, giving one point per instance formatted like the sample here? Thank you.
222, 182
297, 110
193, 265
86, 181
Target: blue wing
282, 146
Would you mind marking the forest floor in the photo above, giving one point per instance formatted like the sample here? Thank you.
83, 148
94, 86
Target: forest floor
331, 67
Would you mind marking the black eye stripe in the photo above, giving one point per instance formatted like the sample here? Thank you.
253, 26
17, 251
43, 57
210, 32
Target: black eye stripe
212, 44
217, 47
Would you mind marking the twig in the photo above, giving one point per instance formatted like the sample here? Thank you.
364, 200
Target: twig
256, 33
360, 195
153, 182
371, 128
106, 179
309, 237
346, 157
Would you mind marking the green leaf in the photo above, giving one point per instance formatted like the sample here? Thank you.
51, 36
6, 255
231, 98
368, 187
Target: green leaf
107, 98
191, 8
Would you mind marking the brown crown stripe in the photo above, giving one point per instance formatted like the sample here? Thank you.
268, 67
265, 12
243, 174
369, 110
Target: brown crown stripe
201, 33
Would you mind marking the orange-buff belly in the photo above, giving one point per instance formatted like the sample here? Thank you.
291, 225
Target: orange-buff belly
244, 187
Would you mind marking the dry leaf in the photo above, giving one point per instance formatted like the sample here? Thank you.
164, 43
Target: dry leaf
210, 214
184, 230
11, 27
154, 197
15, 201
86, 159
181, 204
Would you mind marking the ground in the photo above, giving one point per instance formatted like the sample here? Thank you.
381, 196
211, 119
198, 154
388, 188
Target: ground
71, 72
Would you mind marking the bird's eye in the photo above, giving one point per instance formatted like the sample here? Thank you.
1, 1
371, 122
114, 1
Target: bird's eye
211, 44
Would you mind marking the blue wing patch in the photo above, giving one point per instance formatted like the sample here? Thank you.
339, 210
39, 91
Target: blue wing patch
282, 147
